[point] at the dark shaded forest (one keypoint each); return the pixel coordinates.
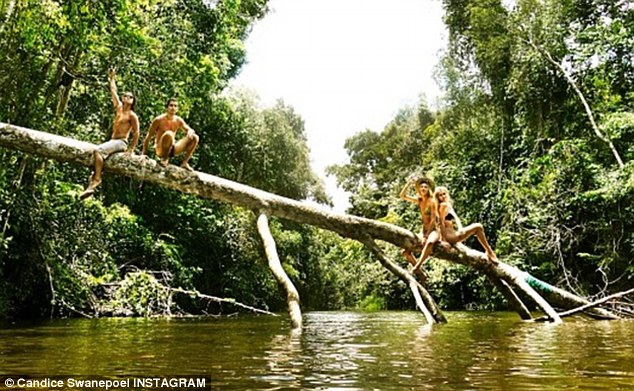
(534, 138)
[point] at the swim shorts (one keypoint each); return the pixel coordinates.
(113, 146)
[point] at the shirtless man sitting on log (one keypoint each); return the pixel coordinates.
(164, 128)
(125, 120)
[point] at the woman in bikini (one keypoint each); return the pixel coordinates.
(425, 201)
(447, 216)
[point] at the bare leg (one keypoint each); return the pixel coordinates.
(427, 249)
(188, 145)
(95, 178)
(410, 258)
(478, 230)
(191, 147)
(167, 142)
(98, 168)
(483, 241)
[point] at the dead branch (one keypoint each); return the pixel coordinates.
(589, 305)
(220, 300)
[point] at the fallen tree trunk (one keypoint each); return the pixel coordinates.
(564, 299)
(203, 185)
(212, 187)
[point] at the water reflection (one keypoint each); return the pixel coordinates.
(335, 351)
(284, 360)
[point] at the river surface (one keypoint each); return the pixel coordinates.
(335, 351)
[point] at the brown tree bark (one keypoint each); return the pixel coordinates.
(509, 294)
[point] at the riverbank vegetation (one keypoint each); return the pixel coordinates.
(550, 177)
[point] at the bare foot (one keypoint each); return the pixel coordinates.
(492, 258)
(86, 193)
(164, 162)
(187, 167)
(94, 182)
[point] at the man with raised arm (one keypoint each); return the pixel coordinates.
(164, 128)
(125, 120)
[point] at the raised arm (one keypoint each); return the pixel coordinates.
(113, 89)
(135, 133)
(150, 135)
(403, 194)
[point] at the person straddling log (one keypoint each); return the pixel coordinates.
(425, 201)
(125, 120)
(164, 128)
(447, 217)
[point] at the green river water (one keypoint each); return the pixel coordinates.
(335, 351)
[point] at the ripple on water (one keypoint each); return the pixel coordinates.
(335, 351)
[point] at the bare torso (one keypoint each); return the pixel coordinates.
(164, 123)
(427, 207)
(448, 219)
(449, 226)
(123, 122)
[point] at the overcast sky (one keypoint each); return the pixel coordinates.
(345, 66)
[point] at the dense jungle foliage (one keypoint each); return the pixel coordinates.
(117, 254)
(512, 140)
(516, 147)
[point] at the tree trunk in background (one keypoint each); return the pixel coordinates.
(7, 9)
(584, 102)
(354, 227)
(66, 82)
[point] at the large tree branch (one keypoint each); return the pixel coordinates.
(292, 296)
